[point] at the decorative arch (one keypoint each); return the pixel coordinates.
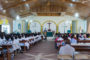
(34, 21)
(58, 24)
(37, 21)
(62, 22)
(49, 21)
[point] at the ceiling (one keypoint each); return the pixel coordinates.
(12, 8)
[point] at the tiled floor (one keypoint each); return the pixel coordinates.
(44, 50)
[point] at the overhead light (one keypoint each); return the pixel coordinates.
(1, 8)
(27, 5)
(4, 11)
(23, 0)
(26, 20)
(17, 17)
(71, 5)
(75, 0)
(76, 14)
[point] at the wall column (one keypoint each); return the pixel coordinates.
(57, 28)
(74, 26)
(71, 28)
(11, 25)
(41, 29)
(88, 25)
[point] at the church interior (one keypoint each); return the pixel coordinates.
(44, 29)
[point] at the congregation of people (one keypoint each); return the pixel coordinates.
(12, 44)
(64, 42)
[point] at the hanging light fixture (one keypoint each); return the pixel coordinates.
(4, 11)
(17, 17)
(76, 15)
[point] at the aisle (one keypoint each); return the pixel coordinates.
(45, 50)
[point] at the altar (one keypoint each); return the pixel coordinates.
(48, 28)
(49, 34)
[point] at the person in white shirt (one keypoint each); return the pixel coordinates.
(1, 40)
(67, 49)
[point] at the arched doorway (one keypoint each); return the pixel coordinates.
(49, 26)
(64, 27)
(35, 27)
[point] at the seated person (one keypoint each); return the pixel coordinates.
(73, 40)
(1, 40)
(81, 38)
(69, 38)
(67, 49)
(60, 41)
(86, 36)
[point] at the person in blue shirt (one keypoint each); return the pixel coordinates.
(73, 40)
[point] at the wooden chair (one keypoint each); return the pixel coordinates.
(65, 57)
(1, 55)
(81, 57)
(24, 47)
(42, 38)
(8, 52)
(30, 41)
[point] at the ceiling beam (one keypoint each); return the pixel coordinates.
(29, 1)
(77, 3)
(21, 3)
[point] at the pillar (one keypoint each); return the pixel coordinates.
(88, 25)
(71, 28)
(57, 28)
(22, 26)
(74, 26)
(41, 29)
(11, 25)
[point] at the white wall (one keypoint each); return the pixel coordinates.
(35, 27)
(64, 26)
(88, 25)
(58, 20)
(15, 26)
(82, 25)
(10, 20)
(52, 26)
